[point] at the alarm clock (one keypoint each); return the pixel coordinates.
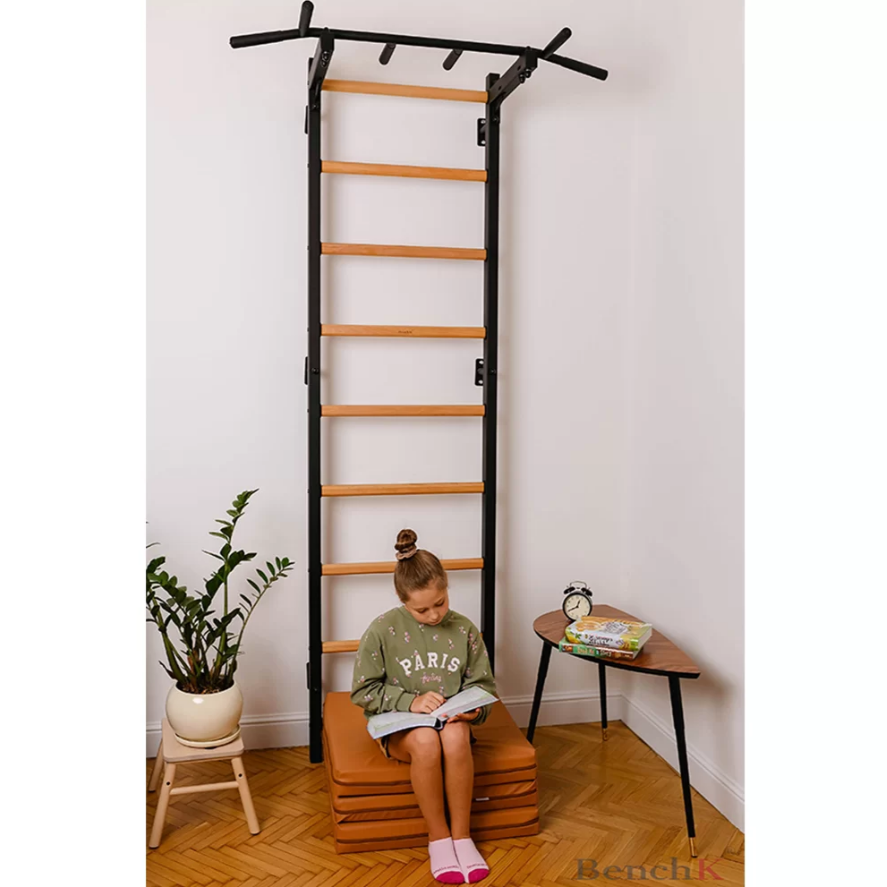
(577, 602)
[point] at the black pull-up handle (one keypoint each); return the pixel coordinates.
(305, 18)
(557, 42)
(451, 59)
(260, 39)
(578, 67)
(387, 52)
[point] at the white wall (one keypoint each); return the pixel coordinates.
(585, 300)
(683, 498)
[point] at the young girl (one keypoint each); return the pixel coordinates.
(413, 658)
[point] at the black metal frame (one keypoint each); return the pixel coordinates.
(317, 68)
(486, 371)
(490, 366)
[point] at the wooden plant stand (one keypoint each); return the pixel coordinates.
(171, 753)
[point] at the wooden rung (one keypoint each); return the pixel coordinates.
(410, 92)
(465, 563)
(206, 787)
(409, 172)
(340, 646)
(399, 489)
(415, 332)
(402, 252)
(346, 646)
(399, 410)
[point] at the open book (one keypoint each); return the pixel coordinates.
(392, 721)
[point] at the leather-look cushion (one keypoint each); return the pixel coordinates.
(373, 806)
(357, 766)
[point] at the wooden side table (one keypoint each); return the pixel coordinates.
(171, 752)
(658, 657)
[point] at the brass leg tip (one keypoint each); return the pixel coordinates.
(606, 734)
(693, 847)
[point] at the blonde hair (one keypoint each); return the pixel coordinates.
(416, 568)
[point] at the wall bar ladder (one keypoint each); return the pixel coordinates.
(498, 88)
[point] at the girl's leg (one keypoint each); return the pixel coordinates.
(455, 740)
(420, 748)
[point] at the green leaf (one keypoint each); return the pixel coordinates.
(264, 577)
(254, 585)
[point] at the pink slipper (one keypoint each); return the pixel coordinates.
(473, 866)
(444, 865)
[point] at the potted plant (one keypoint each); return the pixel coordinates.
(201, 644)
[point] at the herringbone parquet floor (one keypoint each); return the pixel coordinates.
(617, 803)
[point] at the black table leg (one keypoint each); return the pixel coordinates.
(540, 683)
(677, 710)
(602, 672)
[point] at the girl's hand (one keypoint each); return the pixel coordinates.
(427, 702)
(465, 716)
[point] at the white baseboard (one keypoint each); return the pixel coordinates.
(722, 792)
(291, 729)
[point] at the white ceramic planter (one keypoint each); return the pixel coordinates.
(201, 719)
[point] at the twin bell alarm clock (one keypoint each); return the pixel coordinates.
(577, 601)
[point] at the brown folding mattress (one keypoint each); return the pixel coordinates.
(371, 798)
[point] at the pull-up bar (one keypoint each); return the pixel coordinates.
(529, 54)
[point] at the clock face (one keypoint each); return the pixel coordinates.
(576, 605)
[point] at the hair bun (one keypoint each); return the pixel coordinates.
(406, 544)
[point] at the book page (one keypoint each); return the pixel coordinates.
(465, 700)
(392, 721)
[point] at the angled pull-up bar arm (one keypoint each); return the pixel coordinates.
(304, 30)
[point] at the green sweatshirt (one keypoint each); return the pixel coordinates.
(400, 658)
